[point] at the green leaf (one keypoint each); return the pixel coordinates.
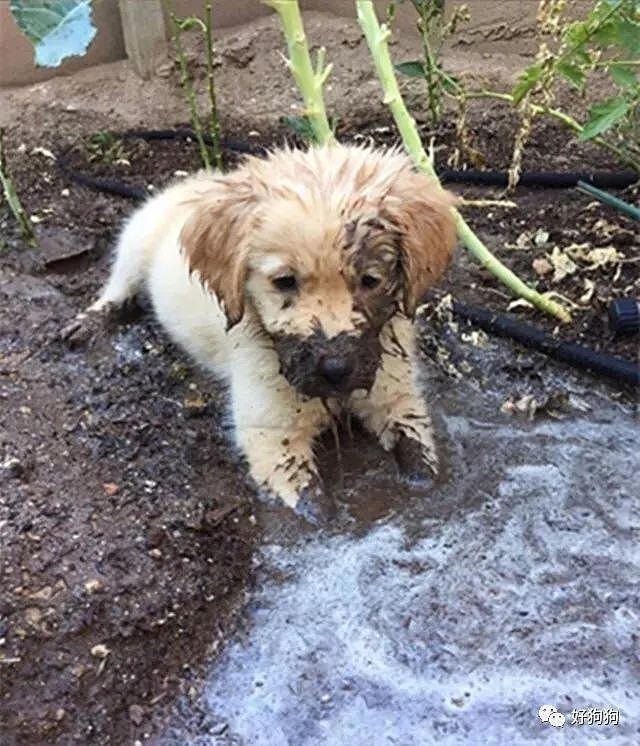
(623, 76)
(606, 35)
(527, 80)
(57, 28)
(628, 35)
(574, 74)
(575, 37)
(413, 69)
(603, 116)
(302, 127)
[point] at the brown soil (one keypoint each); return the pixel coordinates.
(126, 525)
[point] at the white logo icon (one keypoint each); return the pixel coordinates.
(549, 714)
(556, 719)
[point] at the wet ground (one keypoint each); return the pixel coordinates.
(459, 612)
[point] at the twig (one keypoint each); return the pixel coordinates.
(185, 81)
(377, 37)
(488, 203)
(309, 82)
(215, 123)
(11, 195)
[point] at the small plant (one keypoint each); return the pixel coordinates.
(11, 196)
(206, 26)
(433, 32)
(606, 39)
(104, 147)
(57, 29)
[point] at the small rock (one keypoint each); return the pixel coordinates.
(33, 615)
(60, 713)
(194, 405)
(100, 651)
(241, 55)
(12, 468)
(110, 488)
(164, 70)
(93, 586)
(156, 537)
(542, 266)
(155, 553)
(136, 714)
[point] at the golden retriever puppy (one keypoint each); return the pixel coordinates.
(295, 279)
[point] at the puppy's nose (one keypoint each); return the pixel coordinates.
(335, 369)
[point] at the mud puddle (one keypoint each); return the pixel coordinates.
(448, 617)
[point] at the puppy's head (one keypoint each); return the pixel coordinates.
(323, 247)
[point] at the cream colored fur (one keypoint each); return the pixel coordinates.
(274, 425)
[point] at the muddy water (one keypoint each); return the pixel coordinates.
(449, 615)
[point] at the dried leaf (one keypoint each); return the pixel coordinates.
(603, 257)
(557, 405)
(563, 265)
(541, 237)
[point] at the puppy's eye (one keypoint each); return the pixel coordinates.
(369, 281)
(285, 283)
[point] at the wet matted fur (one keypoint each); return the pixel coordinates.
(296, 278)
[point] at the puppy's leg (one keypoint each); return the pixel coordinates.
(395, 410)
(276, 430)
(131, 259)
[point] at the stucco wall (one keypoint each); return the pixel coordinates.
(493, 22)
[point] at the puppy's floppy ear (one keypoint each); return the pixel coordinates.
(421, 212)
(214, 240)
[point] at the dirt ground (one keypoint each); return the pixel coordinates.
(126, 524)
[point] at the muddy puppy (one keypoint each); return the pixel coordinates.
(295, 278)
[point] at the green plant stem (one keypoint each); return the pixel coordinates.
(185, 81)
(377, 37)
(566, 119)
(308, 80)
(11, 195)
(432, 73)
(215, 122)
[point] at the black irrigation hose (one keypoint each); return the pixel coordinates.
(616, 180)
(119, 188)
(609, 366)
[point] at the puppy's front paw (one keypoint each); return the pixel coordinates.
(416, 462)
(87, 324)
